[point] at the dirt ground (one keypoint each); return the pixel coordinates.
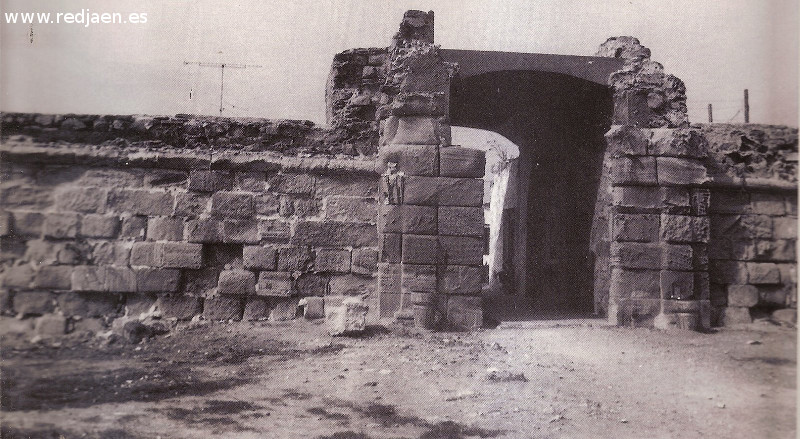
(572, 379)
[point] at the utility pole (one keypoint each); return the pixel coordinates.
(710, 114)
(746, 106)
(222, 73)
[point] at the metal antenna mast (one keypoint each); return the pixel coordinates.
(222, 73)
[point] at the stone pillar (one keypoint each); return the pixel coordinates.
(659, 226)
(431, 234)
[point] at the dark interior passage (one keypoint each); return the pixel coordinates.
(558, 121)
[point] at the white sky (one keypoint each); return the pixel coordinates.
(718, 48)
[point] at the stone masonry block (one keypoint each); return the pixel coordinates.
(274, 230)
(702, 285)
(364, 261)
(141, 202)
(462, 162)
(111, 253)
(680, 172)
(5, 223)
(768, 204)
(461, 221)
(88, 278)
(350, 285)
(464, 312)
(419, 220)
(295, 259)
(418, 278)
(728, 272)
(626, 140)
(735, 315)
(389, 277)
(356, 209)
(240, 232)
(223, 308)
(19, 276)
(133, 227)
(53, 277)
(191, 204)
(179, 306)
(785, 227)
(391, 245)
(204, 230)
(201, 180)
(444, 191)
(81, 199)
(33, 302)
(741, 226)
(685, 229)
(259, 258)
(390, 218)
(267, 204)
(634, 171)
(635, 255)
(742, 295)
(410, 159)
(417, 130)
(120, 280)
(165, 229)
(28, 224)
(676, 257)
(730, 202)
(627, 284)
(274, 284)
(237, 283)
(233, 205)
(420, 249)
(460, 250)
(677, 285)
(311, 284)
(335, 234)
(146, 254)
(293, 184)
(462, 279)
(763, 273)
(680, 142)
(88, 304)
(651, 198)
(156, 280)
(182, 255)
(332, 260)
(635, 227)
(256, 308)
(61, 225)
(99, 226)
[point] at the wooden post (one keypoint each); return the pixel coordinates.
(710, 114)
(746, 107)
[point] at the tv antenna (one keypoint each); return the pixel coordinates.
(221, 67)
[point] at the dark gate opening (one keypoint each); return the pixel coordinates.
(558, 122)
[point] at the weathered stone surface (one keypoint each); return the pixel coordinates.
(461, 221)
(730, 202)
(53, 277)
(634, 171)
(141, 202)
(636, 313)
(182, 255)
(81, 199)
(311, 284)
(410, 159)
(165, 229)
(642, 284)
(223, 308)
(22, 223)
(51, 325)
(190, 204)
(462, 162)
(635, 255)
(259, 258)
(232, 205)
(295, 259)
(391, 245)
(736, 315)
(460, 250)
(763, 273)
(418, 278)
(349, 318)
(204, 231)
(626, 140)
(741, 226)
(677, 285)
(787, 315)
(284, 310)
(33, 302)
(355, 209)
(210, 181)
(256, 308)
(294, 184)
(89, 278)
(420, 249)
(464, 312)
(462, 280)
(335, 234)
(350, 285)
(237, 283)
(364, 261)
(728, 272)
(19, 276)
(768, 204)
(785, 228)
(635, 227)
(275, 284)
(6, 223)
(685, 229)
(416, 130)
(677, 257)
(99, 226)
(97, 304)
(313, 307)
(61, 225)
(154, 280)
(443, 191)
(389, 277)
(332, 260)
(240, 232)
(133, 227)
(680, 172)
(678, 143)
(267, 204)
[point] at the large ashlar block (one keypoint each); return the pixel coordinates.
(420, 104)
(685, 229)
(389, 278)
(349, 318)
(460, 250)
(768, 204)
(680, 172)
(390, 250)
(419, 220)
(636, 284)
(335, 234)
(237, 283)
(420, 249)
(444, 191)
(763, 273)
(626, 140)
(465, 312)
(634, 171)
(418, 278)
(223, 308)
(635, 227)
(742, 295)
(461, 221)
(677, 257)
(462, 279)
(462, 162)
(274, 284)
(419, 130)
(676, 285)
(635, 255)
(410, 159)
(681, 142)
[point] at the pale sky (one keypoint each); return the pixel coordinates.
(718, 48)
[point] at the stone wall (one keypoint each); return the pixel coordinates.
(93, 231)
(753, 217)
